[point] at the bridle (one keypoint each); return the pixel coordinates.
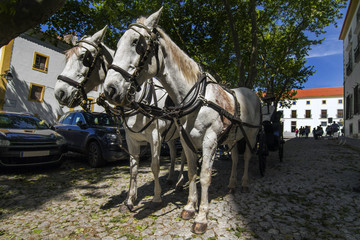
(144, 47)
(89, 61)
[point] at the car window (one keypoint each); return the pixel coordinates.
(68, 120)
(21, 122)
(78, 117)
(61, 119)
(100, 120)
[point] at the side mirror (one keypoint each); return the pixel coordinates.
(81, 124)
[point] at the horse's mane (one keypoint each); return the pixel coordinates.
(71, 51)
(189, 68)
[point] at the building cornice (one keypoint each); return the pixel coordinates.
(348, 18)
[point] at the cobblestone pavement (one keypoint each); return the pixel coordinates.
(307, 196)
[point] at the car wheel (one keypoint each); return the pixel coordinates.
(94, 155)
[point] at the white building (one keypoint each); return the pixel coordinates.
(350, 34)
(34, 65)
(314, 107)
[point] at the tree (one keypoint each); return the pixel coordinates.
(18, 16)
(259, 44)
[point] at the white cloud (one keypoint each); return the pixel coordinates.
(330, 46)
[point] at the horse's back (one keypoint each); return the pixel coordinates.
(249, 105)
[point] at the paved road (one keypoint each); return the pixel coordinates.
(308, 196)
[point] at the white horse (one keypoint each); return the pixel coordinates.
(90, 60)
(145, 51)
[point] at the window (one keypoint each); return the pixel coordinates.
(36, 92)
(349, 106)
(323, 114)
(293, 126)
(67, 119)
(351, 128)
(340, 101)
(307, 113)
(324, 124)
(79, 117)
(92, 101)
(356, 99)
(307, 102)
(349, 65)
(340, 113)
(323, 101)
(293, 113)
(41, 62)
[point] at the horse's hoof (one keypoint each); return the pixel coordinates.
(231, 190)
(199, 228)
(155, 205)
(245, 189)
(186, 215)
(125, 208)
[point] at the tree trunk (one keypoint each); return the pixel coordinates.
(254, 46)
(23, 15)
(235, 37)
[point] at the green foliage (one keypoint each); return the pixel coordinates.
(260, 44)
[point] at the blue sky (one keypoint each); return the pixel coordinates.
(327, 59)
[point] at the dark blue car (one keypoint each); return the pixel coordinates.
(93, 134)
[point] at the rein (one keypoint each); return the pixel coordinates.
(189, 104)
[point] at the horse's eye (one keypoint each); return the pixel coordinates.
(135, 41)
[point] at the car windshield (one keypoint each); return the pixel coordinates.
(100, 120)
(12, 121)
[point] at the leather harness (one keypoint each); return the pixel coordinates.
(193, 100)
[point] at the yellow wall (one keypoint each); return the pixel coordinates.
(4, 66)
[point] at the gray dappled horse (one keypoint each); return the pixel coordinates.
(212, 112)
(86, 66)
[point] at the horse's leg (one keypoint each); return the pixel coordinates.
(172, 149)
(180, 181)
(189, 209)
(134, 150)
(209, 149)
(233, 176)
(155, 167)
(247, 156)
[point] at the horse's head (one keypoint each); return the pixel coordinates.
(83, 70)
(136, 59)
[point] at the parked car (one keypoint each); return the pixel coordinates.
(93, 134)
(27, 140)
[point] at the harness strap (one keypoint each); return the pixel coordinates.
(185, 136)
(124, 73)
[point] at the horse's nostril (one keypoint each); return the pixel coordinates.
(110, 91)
(60, 94)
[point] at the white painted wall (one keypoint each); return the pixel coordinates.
(17, 92)
(332, 105)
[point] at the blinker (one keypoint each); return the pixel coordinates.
(88, 59)
(141, 46)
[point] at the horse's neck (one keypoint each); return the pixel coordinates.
(179, 72)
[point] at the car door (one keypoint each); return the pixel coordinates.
(64, 128)
(80, 131)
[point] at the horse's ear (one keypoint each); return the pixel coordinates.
(153, 19)
(99, 36)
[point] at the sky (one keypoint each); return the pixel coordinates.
(327, 59)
